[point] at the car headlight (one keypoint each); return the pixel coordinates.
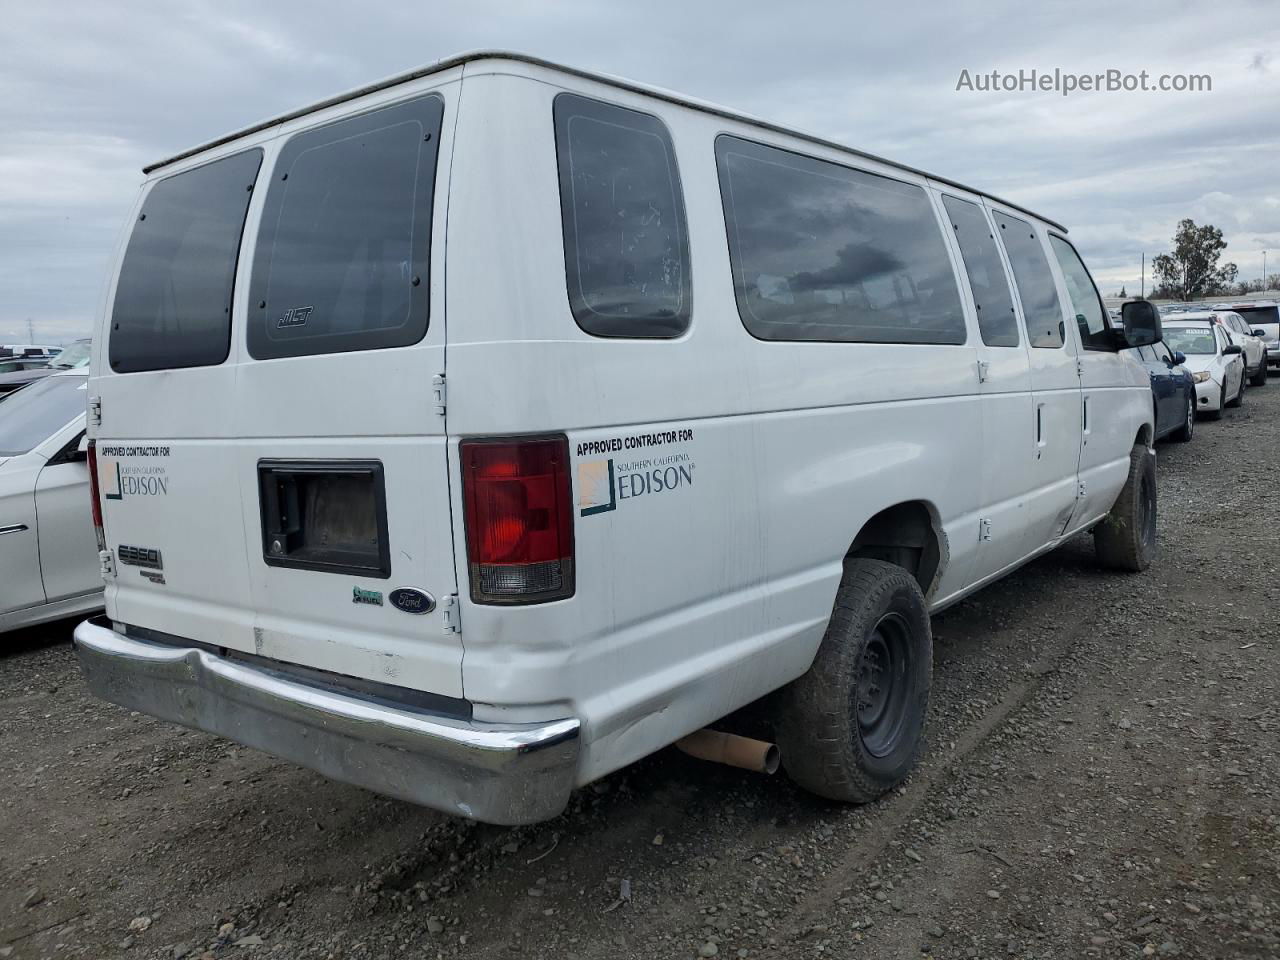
(1201, 376)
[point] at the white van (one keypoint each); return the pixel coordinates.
(476, 433)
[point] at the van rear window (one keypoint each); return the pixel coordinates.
(343, 254)
(626, 247)
(821, 251)
(173, 297)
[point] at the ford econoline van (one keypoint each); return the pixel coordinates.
(476, 433)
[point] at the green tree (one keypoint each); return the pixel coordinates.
(1122, 293)
(1192, 270)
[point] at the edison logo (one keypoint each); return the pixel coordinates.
(597, 492)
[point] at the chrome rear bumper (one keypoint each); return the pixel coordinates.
(499, 774)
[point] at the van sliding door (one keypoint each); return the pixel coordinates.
(1054, 433)
(1004, 383)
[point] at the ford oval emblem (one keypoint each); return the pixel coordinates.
(412, 601)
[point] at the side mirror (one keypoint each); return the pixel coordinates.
(1179, 358)
(1232, 349)
(1141, 322)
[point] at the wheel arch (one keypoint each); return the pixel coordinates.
(908, 534)
(1145, 436)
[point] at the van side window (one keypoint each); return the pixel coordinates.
(344, 249)
(1086, 302)
(626, 244)
(173, 298)
(1041, 310)
(987, 278)
(824, 252)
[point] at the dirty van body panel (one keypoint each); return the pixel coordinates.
(718, 479)
(195, 446)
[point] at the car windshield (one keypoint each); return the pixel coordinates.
(31, 415)
(1191, 340)
(76, 355)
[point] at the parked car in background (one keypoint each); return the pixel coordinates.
(1252, 345)
(20, 364)
(1173, 390)
(1216, 364)
(74, 355)
(49, 564)
(1263, 316)
(28, 350)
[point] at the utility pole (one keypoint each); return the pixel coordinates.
(31, 335)
(1143, 294)
(1264, 272)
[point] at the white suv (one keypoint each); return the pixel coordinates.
(1253, 347)
(695, 408)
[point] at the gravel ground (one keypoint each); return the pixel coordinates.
(1100, 781)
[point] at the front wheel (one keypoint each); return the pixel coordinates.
(1184, 432)
(851, 728)
(1259, 379)
(1126, 538)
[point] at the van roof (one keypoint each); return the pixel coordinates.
(623, 84)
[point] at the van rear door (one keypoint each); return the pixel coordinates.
(277, 484)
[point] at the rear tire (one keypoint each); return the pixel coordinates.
(1126, 538)
(1259, 379)
(1183, 434)
(851, 728)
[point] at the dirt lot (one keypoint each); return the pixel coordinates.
(1101, 780)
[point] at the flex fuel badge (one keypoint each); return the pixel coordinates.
(371, 597)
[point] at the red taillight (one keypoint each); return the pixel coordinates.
(519, 519)
(92, 456)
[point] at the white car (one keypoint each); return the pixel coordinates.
(49, 564)
(633, 473)
(1253, 346)
(1216, 364)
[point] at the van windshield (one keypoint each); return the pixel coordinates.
(33, 414)
(1190, 340)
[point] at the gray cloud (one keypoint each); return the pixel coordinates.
(94, 91)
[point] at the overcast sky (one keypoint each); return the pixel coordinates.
(91, 91)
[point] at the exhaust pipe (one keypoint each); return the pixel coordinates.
(731, 749)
